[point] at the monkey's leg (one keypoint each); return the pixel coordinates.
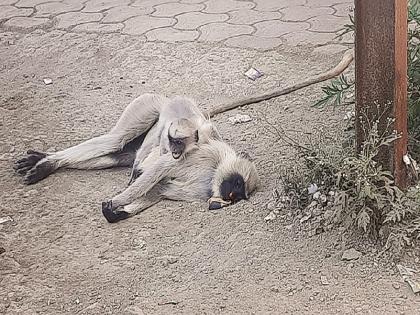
(43, 168)
(139, 205)
(134, 123)
(152, 175)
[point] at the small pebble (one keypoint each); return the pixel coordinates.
(48, 81)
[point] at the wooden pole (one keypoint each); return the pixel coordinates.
(381, 75)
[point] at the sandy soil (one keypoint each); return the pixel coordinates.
(62, 257)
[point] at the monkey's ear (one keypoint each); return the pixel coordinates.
(246, 156)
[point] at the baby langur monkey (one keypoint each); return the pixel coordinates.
(180, 129)
(182, 137)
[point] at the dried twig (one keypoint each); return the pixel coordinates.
(337, 70)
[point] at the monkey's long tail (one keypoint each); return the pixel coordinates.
(343, 65)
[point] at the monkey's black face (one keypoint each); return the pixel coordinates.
(177, 146)
(233, 188)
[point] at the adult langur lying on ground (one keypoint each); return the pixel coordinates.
(212, 171)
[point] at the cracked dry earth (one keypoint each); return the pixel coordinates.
(60, 256)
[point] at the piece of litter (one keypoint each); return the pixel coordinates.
(313, 188)
(238, 119)
(406, 159)
(324, 280)
(48, 81)
(316, 195)
(351, 254)
(253, 74)
(5, 219)
(271, 217)
(411, 276)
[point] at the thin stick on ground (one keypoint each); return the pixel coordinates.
(337, 70)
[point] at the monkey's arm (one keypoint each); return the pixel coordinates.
(149, 144)
(138, 205)
(156, 168)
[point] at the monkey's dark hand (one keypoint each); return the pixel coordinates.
(214, 205)
(23, 165)
(111, 215)
(32, 168)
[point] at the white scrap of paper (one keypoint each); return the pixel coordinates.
(254, 74)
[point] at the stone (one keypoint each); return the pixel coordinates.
(274, 5)
(326, 23)
(307, 38)
(222, 6)
(54, 8)
(96, 27)
(142, 24)
(172, 9)
(351, 254)
(221, 31)
(303, 13)
(270, 217)
(5, 219)
(100, 5)
(171, 35)
(122, 13)
(67, 20)
(277, 28)
(168, 260)
(27, 23)
(7, 12)
(193, 20)
(316, 195)
(252, 16)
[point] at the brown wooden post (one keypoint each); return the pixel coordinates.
(381, 74)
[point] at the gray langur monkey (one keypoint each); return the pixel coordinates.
(213, 171)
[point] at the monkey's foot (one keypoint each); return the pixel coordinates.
(136, 173)
(23, 165)
(111, 215)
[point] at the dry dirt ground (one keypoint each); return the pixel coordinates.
(62, 257)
